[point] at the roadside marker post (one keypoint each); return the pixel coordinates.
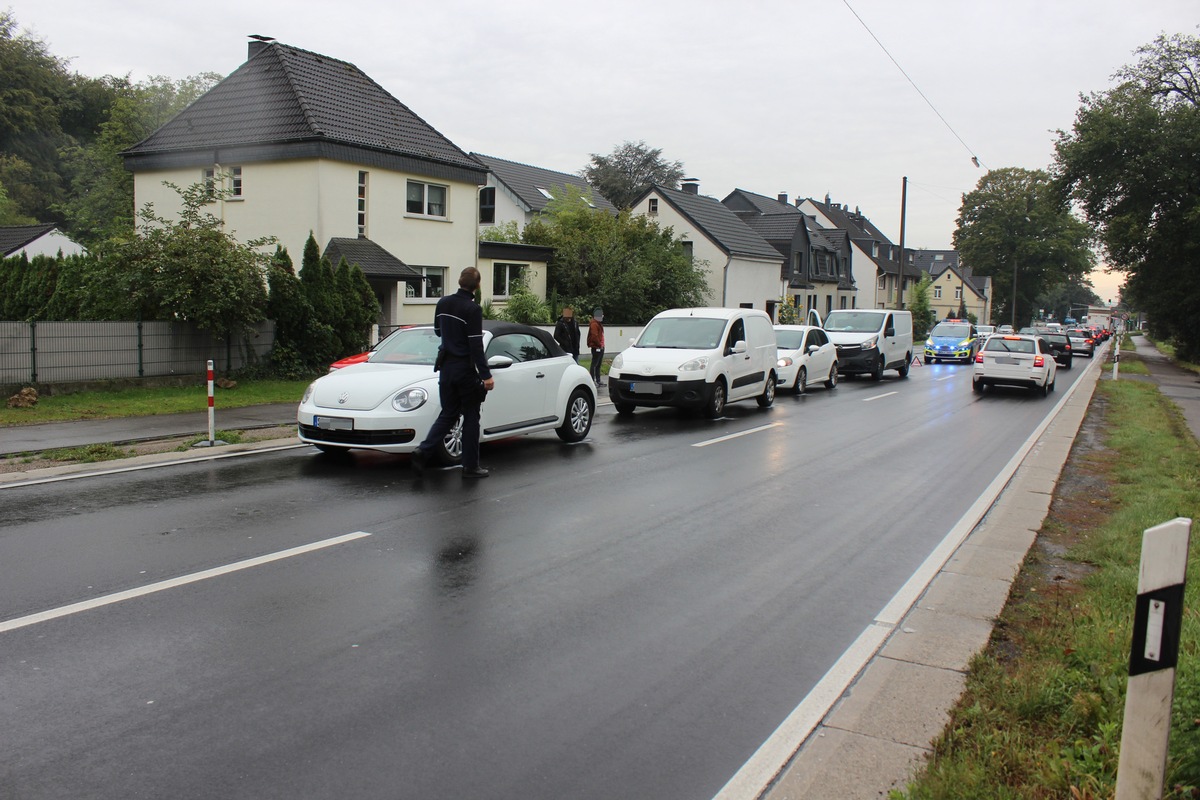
(1157, 622)
(212, 419)
(1116, 360)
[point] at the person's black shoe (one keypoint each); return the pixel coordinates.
(475, 472)
(419, 459)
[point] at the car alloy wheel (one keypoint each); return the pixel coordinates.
(716, 403)
(578, 419)
(768, 396)
(831, 381)
(801, 381)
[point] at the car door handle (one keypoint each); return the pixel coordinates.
(540, 375)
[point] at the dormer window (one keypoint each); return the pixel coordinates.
(545, 193)
(652, 207)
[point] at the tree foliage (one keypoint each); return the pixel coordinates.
(923, 315)
(626, 264)
(629, 170)
(1132, 163)
(1014, 224)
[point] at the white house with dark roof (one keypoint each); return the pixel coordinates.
(953, 286)
(307, 143)
(740, 267)
(518, 192)
(36, 240)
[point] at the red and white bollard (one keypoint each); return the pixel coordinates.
(212, 419)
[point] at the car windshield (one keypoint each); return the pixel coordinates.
(410, 346)
(789, 340)
(682, 333)
(954, 330)
(1009, 345)
(854, 321)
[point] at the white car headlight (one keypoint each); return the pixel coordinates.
(786, 361)
(617, 362)
(871, 343)
(410, 399)
(695, 365)
(308, 393)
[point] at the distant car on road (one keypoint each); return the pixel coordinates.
(1081, 341)
(1059, 342)
(805, 352)
(1015, 360)
(1005, 329)
(951, 340)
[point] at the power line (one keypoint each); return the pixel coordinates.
(974, 158)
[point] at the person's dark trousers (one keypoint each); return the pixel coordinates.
(597, 362)
(453, 379)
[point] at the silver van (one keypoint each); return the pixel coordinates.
(871, 340)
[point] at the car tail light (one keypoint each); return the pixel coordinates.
(1068, 347)
(979, 358)
(1039, 361)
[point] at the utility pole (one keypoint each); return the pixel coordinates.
(903, 210)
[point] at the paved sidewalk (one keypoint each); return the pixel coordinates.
(55, 435)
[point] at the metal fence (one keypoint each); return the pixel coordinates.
(44, 353)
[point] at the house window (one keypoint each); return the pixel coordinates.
(958, 293)
(426, 199)
(653, 206)
(687, 250)
(939, 257)
(362, 204)
(230, 180)
(506, 278)
(487, 205)
(874, 249)
(545, 193)
(881, 283)
(937, 293)
(432, 283)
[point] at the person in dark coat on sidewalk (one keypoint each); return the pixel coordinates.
(463, 375)
(566, 332)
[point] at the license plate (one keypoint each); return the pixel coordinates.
(646, 388)
(333, 423)
(1007, 360)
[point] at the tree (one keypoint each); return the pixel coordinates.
(626, 264)
(1016, 226)
(922, 312)
(629, 170)
(189, 269)
(1132, 162)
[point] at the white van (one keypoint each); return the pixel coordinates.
(871, 340)
(697, 358)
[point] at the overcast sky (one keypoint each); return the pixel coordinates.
(770, 97)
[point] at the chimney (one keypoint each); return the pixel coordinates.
(257, 45)
(783, 198)
(690, 185)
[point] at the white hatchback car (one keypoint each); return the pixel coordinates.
(1015, 360)
(804, 352)
(390, 401)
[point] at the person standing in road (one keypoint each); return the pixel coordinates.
(463, 375)
(595, 343)
(566, 332)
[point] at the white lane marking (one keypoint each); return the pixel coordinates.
(736, 435)
(878, 396)
(772, 757)
(947, 378)
(155, 465)
(182, 580)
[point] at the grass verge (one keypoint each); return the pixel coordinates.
(1042, 711)
(142, 402)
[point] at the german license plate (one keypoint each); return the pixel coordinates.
(645, 388)
(1007, 360)
(333, 423)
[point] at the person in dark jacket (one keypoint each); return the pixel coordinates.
(463, 375)
(566, 332)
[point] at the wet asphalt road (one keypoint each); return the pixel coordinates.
(627, 617)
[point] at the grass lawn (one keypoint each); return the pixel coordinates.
(1042, 712)
(141, 402)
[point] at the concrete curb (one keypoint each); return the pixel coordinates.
(880, 730)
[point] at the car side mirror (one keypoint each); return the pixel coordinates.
(500, 362)
(812, 348)
(740, 346)
(890, 332)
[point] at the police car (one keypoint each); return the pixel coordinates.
(951, 340)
